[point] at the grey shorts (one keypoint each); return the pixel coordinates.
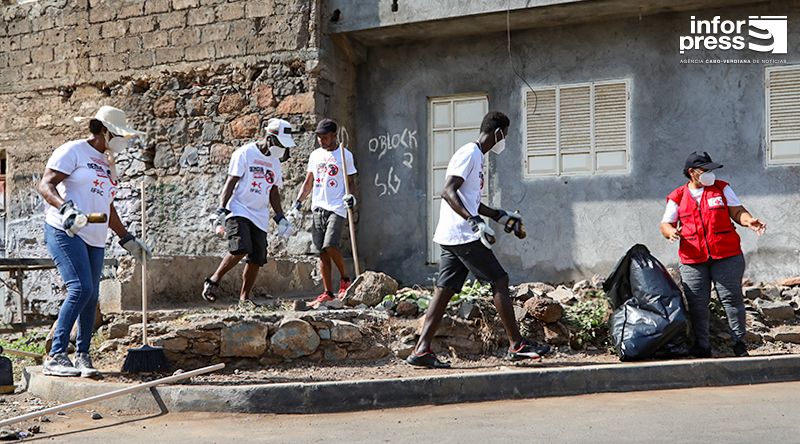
(459, 260)
(327, 229)
(244, 237)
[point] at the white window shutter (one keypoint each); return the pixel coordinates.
(541, 121)
(610, 117)
(574, 119)
(783, 108)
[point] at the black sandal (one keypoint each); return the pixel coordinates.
(427, 359)
(210, 289)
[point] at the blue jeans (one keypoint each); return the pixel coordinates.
(80, 266)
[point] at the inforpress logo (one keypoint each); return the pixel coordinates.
(768, 34)
(758, 33)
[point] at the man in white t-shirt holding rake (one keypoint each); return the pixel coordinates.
(466, 242)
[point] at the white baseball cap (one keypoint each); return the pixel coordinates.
(282, 130)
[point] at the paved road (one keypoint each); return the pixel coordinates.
(761, 413)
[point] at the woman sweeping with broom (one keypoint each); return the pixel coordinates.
(79, 184)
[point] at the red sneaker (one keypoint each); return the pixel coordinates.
(344, 284)
(321, 299)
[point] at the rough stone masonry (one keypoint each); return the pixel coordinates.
(199, 76)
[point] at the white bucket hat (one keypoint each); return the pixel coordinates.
(282, 130)
(115, 120)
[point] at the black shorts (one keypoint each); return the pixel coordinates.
(244, 237)
(327, 229)
(458, 260)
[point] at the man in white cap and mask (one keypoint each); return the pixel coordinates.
(254, 179)
(79, 180)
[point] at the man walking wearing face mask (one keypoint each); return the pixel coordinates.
(254, 176)
(699, 214)
(466, 242)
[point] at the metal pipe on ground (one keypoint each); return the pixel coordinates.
(112, 394)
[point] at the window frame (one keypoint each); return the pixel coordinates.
(593, 152)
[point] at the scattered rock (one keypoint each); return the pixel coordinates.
(343, 331)
(336, 304)
(35, 429)
(247, 339)
(294, 338)
(544, 309)
(752, 337)
(581, 285)
(791, 293)
(556, 334)
(563, 295)
(96, 416)
(598, 281)
(299, 305)
(786, 333)
(468, 310)
(525, 291)
(751, 293)
(44, 419)
(407, 309)
(771, 292)
(791, 282)
(450, 326)
(520, 312)
(774, 311)
(324, 334)
(370, 288)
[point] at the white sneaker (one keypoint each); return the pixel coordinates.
(59, 365)
(84, 364)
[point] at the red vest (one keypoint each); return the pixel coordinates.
(707, 231)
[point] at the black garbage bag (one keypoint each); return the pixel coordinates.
(649, 319)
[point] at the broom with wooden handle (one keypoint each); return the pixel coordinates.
(144, 359)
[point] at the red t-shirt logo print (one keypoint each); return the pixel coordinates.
(256, 184)
(333, 170)
(270, 176)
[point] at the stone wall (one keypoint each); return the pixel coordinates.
(201, 77)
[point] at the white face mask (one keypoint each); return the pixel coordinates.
(277, 151)
(116, 145)
(708, 178)
(500, 145)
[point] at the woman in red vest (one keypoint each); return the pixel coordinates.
(699, 214)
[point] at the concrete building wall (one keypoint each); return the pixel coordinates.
(201, 77)
(577, 225)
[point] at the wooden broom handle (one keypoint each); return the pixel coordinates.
(350, 222)
(144, 266)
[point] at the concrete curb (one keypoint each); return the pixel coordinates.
(328, 397)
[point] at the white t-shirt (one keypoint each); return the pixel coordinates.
(257, 174)
(466, 163)
(328, 179)
(89, 185)
(671, 212)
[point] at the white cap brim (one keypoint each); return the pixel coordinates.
(286, 140)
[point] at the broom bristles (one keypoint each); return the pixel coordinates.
(145, 359)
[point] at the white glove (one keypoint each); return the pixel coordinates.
(72, 219)
(135, 247)
(285, 228)
(218, 221)
(296, 213)
(483, 231)
(349, 201)
(508, 220)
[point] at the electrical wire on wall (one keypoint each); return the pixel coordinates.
(511, 60)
